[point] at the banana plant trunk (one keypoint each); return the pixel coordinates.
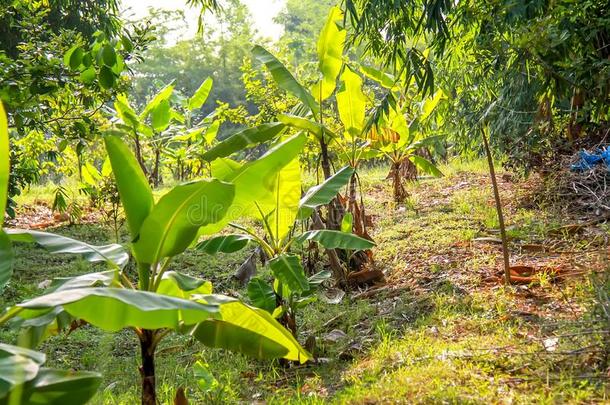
(138, 149)
(325, 159)
(155, 173)
(335, 209)
(147, 369)
(357, 210)
(399, 190)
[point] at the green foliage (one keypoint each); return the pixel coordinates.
(550, 94)
(301, 22)
(55, 77)
(243, 139)
(335, 239)
(324, 193)
(133, 187)
(289, 272)
(113, 255)
(23, 379)
(173, 222)
(166, 301)
(6, 251)
(284, 79)
(330, 54)
(217, 53)
(224, 244)
(4, 162)
(387, 30)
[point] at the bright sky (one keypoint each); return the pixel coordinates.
(263, 12)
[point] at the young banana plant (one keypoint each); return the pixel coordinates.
(351, 105)
(399, 142)
(291, 288)
(159, 301)
(157, 124)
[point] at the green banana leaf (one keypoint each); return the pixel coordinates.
(174, 221)
(244, 139)
(6, 250)
(4, 162)
(222, 168)
(425, 165)
(113, 309)
(330, 54)
(126, 113)
(286, 194)
(324, 193)
(6, 259)
(201, 94)
(23, 380)
(248, 330)
(59, 387)
(163, 95)
(252, 182)
(261, 294)
(181, 285)
(135, 192)
(351, 103)
(284, 79)
(335, 240)
(224, 244)
(302, 123)
(161, 116)
(113, 254)
(287, 268)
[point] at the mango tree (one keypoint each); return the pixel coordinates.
(159, 301)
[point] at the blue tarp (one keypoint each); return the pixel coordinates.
(588, 160)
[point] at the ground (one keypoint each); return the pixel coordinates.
(442, 328)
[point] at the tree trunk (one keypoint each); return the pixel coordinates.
(138, 149)
(147, 369)
(494, 184)
(325, 161)
(155, 173)
(399, 191)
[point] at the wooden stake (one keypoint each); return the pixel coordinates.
(494, 184)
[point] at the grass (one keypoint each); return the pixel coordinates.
(440, 332)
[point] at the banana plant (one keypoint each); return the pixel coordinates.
(291, 289)
(159, 301)
(310, 118)
(398, 141)
(160, 124)
(23, 379)
(351, 104)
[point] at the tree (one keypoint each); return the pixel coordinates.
(541, 74)
(301, 21)
(214, 52)
(83, 17)
(391, 29)
(56, 81)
